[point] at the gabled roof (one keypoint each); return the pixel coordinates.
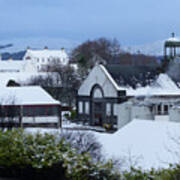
(27, 95)
(155, 85)
(133, 76)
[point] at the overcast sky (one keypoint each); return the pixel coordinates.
(131, 22)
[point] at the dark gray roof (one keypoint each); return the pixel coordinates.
(132, 75)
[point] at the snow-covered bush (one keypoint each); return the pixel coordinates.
(44, 156)
(84, 142)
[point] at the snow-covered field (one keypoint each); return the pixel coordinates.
(141, 143)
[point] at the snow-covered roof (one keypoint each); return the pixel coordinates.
(11, 65)
(146, 143)
(173, 39)
(163, 85)
(19, 77)
(47, 53)
(27, 95)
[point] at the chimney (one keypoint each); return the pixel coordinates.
(10, 58)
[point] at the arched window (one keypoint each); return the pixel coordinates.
(97, 91)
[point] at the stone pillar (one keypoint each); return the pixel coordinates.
(21, 117)
(77, 108)
(83, 109)
(91, 111)
(59, 117)
(103, 113)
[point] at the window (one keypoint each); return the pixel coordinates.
(40, 111)
(162, 109)
(87, 107)
(80, 107)
(166, 109)
(159, 109)
(108, 109)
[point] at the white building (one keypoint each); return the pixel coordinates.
(41, 58)
(101, 98)
(33, 106)
(16, 66)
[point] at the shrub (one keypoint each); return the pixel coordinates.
(84, 142)
(45, 156)
(73, 115)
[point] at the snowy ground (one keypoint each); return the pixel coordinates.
(69, 125)
(145, 144)
(141, 143)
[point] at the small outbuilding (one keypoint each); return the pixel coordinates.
(29, 106)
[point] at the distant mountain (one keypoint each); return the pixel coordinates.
(20, 44)
(5, 46)
(15, 56)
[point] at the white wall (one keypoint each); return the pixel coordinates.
(141, 112)
(49, 119)
(174, 114)
(163, 118)
(45, 119)
(97, 76)
(46, 57)
(123, 112)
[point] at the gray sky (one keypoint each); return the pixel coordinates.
(131, 22)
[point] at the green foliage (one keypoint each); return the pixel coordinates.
(12, 83)
(23, 149)
(73, 114)
(45, 156)
(107, 126)
(45, 153)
